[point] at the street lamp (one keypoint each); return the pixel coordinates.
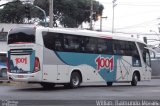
(43, 13)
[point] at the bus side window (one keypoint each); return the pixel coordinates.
(83, 43)
(134, 50)
(118, 47)
(57, 38)
(48, 40)
(91, 45)
(58, 45)
(53, 41)
(109, 44)
(102, 46)
(114, 49)
(66, 43)
(148, 60)
(71, 43)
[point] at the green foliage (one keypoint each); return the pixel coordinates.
(70, 13)
(12, 13)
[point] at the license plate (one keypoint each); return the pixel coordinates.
(20, 76)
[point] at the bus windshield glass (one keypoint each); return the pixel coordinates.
(21, 35)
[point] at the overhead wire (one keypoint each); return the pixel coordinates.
(143, 24)
(134, 3)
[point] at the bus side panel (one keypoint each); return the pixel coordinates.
(149, 73)
(63, 74)
(89, 74)
(124, 68)
(103, 64)
(54, 70)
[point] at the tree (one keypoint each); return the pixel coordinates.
(13, 13)
(70, 13)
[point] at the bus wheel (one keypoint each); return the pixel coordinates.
(109, 83)
(4, 73)
(47, 85)
(75, 80)
(134, 80)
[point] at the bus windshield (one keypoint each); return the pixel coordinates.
(21, 35)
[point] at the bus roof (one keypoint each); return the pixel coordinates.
(85, 32)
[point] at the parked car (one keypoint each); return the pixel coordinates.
(3, 67)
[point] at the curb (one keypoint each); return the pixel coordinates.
(155, 77)
(4, 81)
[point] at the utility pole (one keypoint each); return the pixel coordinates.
(91, 15)
(101, 22)
(114, 5)
(51, 13)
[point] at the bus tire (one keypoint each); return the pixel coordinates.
(47, 85)
(134, 80)
(75, 80)
(109, 83)
(4, 73)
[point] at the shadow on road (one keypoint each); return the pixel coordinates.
(62, 88)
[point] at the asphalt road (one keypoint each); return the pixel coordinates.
(86, 95)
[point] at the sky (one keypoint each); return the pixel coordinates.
(131, 16)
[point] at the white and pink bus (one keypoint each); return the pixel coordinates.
(70, 57)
